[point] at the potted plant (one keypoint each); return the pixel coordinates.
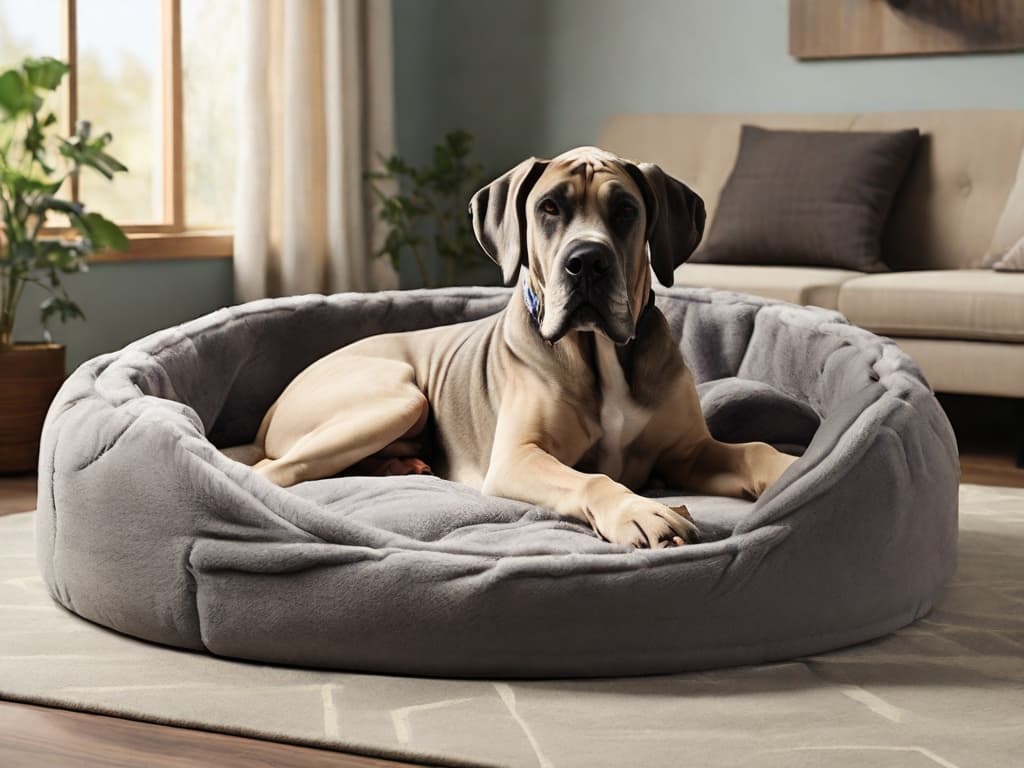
(426, 206)
(35, 164)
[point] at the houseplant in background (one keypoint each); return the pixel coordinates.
(424, 209)
(35, 164)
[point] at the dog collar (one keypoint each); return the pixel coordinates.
(531, 301)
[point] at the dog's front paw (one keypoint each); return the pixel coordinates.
(644, 523)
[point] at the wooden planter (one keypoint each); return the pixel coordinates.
(30, 375)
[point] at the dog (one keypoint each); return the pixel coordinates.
(570, 397)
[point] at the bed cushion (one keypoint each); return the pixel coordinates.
(146, 528)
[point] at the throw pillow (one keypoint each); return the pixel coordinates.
(810, 198)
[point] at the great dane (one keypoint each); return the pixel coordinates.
(570, 397)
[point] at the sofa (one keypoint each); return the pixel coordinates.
(962, 323)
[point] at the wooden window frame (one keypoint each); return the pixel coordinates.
(170, 238)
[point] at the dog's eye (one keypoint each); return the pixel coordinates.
(549, 207)
(627, 212)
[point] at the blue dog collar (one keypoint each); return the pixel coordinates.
(531, 300)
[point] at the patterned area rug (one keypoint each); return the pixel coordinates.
(947, 691)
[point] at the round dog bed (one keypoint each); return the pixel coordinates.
(146, 528)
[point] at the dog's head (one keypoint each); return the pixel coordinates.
(582, 224)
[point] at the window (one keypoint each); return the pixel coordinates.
(159, 75)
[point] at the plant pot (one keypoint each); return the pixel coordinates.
(30, 375)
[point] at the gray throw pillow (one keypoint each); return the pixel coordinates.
(809, 198)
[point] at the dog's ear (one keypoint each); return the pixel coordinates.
(675, 218)
(498, 212)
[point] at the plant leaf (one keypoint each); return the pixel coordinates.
(45, 72)
(61, 206)
(15, 94)
(60, 305)
(104, 233)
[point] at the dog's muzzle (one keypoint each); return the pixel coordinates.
(594, 287)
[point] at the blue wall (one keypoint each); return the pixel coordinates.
(604, 57)
(539, 77)
(126, 300)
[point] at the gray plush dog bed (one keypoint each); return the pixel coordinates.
(144, 527)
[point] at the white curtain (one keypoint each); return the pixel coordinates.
(316, 108)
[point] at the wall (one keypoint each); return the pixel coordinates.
(127, 300)
(604, 56)
(474, 65)
(537, 78)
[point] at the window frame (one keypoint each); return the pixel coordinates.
(169, 238)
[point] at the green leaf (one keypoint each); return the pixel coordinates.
(21, 185)
(69, 207)
(15, 94)
(62, 306)
(45, 72)
(104, 233)
(81, 151)
(68, 256)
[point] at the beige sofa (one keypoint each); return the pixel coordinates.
(963, 325)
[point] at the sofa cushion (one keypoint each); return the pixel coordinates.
(994, 368)
(942, 304)
(800, 285)
(809, 198)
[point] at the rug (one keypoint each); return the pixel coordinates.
(947, 691)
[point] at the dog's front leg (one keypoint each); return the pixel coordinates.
(534, 444)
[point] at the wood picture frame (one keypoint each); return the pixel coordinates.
(830, 29)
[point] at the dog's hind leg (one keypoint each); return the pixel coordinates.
(402, 457)
(359, 430)
(741, 470)
(249, 454)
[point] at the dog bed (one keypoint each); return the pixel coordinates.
(146, 528)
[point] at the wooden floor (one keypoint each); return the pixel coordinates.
(35, 736)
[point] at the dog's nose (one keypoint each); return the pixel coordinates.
(588, 260)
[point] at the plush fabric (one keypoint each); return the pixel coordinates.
(942, 304)
(146, 528)
(799, 285)
(809, 198)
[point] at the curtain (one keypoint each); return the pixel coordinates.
(316, 108)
